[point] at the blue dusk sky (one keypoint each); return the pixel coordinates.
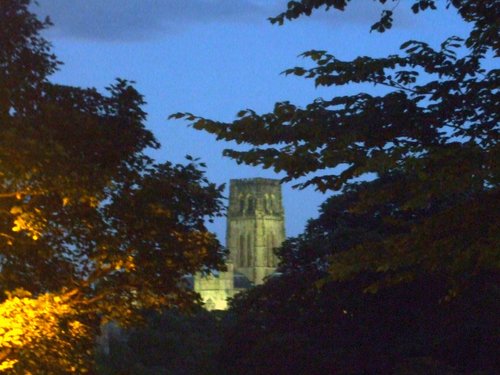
(216, 57)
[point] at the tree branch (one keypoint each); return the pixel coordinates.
(18, 194)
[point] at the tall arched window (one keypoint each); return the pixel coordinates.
(269, 250)
(242, 255)
(251, 204)
(272, 203)
(242, 203)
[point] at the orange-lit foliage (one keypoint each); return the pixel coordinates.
(83, 208)
(43, 333)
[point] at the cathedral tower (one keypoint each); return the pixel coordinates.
(255, 226)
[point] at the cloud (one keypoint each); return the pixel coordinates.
(132, 20)
(136, 20)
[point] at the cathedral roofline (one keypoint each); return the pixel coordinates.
(262, 180)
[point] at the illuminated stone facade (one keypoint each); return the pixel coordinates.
(255, 226)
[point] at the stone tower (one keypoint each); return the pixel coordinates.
(255, 226)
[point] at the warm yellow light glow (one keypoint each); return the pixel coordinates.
(28, 323)
(30, 222)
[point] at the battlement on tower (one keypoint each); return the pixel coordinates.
(252, 196)
(254, 181)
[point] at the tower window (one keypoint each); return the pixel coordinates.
(251, 204)
(242, 252)
(266, 203)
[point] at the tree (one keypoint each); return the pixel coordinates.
(170, 343)
(90, 227)
(437, 126)
(324, 326)
(48, 326)
(400, 274)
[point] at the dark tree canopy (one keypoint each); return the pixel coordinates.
(398, 275)
(322, 326)
(89, 224)
(482, 14)
(303, 323)
(170, 343)
(433, 137)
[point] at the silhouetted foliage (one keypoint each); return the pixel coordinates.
(398, 275)
(437, 126)
(304, 323)
(168, 343)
